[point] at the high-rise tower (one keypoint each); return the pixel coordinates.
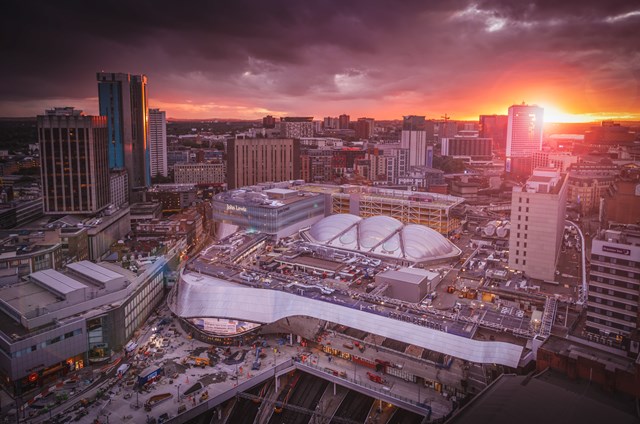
(73, 159)
(123, 100)
(524, 137)
(414, 138)
(158, 142)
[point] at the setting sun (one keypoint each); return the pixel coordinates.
(556, 115)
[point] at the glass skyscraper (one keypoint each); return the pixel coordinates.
(123, 100)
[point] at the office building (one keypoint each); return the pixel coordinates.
(199, 173)
(495, 128)
(173, 197)
(258, 160)
(123, 100)
(614, 288)
(158, 142)
(608, 134)
(119, 187)
(537, 223)
(414, 138)
(559, 160)
(74, 163)
(296, 127)
(365, 128)
(268, 122)
(524, 137)
(344, 121)
(475, 147)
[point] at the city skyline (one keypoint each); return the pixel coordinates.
(579, 61)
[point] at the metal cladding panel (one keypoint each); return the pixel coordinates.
(211, 297)
(57, 281)
(94, 271)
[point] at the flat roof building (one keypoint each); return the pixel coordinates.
(276, 211)
(537, 224)
(257, 160)
(614, 288)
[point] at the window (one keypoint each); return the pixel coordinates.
(524, 253)
(527, 209)
(519, 208)
(527, 200)
(517, 244)
(524, 261)
(526, 218)
(516, 261)
(525, 236)
(518, 226)
(525, 244)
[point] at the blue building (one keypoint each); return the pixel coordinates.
(123, 100)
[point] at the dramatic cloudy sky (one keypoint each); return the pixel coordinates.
(382, 59)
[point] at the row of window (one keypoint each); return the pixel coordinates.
(610, 324)
(613, 271)
(613, 303)
(520, 201)
(615, 283)
(608, 259)
(44, 344)
(613, 314)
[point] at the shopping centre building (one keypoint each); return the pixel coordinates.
(56, 322)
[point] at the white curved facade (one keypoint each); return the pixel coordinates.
(382, 235)
(203, 296)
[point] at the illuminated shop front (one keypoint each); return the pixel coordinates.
(220, 331)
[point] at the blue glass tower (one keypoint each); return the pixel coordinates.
(123, 100)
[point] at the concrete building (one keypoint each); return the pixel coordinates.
(123, 100)
(199, 173)
(158, 142)
(559, 160)
(524, 137)
(268, 122)
(408, 284)
(173, 197)
(147, 211)
(409, 207)
(74, 163)
(343, 121)
(258, 160)
(495, 128)
(622, 203)
(178, 156)
(24, 254)
(614, 289)
(414, 138)
(537, 224)
(18, 212)
(609, 133)
(365, 128)
(476, 147)
(296, 127)
(119, 187)
(74, 318)
(585, 191)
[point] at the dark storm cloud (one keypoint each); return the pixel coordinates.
(274, 52)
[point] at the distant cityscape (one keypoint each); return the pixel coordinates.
(479, 249)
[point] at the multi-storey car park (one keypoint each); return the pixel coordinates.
(429, 209)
